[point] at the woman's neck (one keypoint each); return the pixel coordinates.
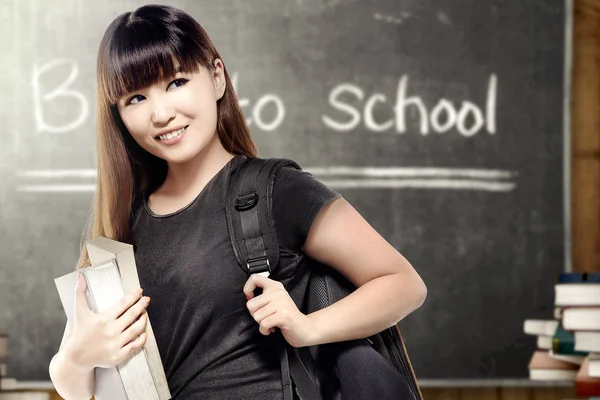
(193, 175)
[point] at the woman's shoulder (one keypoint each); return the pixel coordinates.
(301, 183)
(298, 196)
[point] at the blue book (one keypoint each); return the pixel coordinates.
(578, 277)
(563, 342)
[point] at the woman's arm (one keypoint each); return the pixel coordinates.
(70, 381)
(388, 287)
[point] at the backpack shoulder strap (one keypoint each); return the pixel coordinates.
(248, 206)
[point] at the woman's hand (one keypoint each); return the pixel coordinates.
(109, 338)
(274, 308)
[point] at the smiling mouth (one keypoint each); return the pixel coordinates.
(172, 135)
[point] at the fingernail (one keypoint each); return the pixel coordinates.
(147, 299)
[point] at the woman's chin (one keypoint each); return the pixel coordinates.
(179, 157)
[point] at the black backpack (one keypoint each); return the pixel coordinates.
(374, 368)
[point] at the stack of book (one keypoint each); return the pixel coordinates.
(578, 295)
(3, 354)
(9, 387)
(6, 382)
(24, 394)
(112, 274)
(554, 357)
(568, 346)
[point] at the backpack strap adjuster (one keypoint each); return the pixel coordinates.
(249, 217)
(246, 202)
(259, 265)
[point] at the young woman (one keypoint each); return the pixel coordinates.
(169, 134)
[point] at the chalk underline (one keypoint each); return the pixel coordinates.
(380, 172)
(338, 177)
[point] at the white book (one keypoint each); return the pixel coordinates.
(544, 342)
(571, 358)
(102, 249)
(594, 369)
(8, 383)
(109, 384)
(3, 345)
(587, 341)
(25, 396)
(105, 290)
(552, 375)
(107, 381)
(540, 327)
(577, 294)
(581, 318)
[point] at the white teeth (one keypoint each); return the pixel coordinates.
(172, 135)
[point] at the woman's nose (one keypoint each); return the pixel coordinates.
(162, 113)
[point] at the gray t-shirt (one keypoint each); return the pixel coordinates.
(209, 343)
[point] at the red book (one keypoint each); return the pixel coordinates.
(543, 367)
(586, 386)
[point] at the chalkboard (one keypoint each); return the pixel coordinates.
(444, 122)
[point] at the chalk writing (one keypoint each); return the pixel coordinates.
(268, 111)
(468, 120)
(62, 90)
(257, 110)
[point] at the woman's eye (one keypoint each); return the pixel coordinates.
(138, 98)
(178, 82)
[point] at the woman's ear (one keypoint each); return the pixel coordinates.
(219, 78)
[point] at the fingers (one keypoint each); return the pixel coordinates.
(258, 281)
(124, 304)
(136, 329)
(80, 300)
(132, 313)
(267, 325)
(264, 307)
(81, 284)
(258, 302)
(264, 315)
(264, 312)
(132, 347)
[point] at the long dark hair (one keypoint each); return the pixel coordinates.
(138, 49)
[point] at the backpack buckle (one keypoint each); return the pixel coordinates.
(246, 202)
(259, 265)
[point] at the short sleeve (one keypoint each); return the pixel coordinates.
(297, 199)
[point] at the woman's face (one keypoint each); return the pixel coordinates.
(175, 119)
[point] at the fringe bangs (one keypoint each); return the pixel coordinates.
(144, 53)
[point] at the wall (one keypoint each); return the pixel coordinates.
(585, 178)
